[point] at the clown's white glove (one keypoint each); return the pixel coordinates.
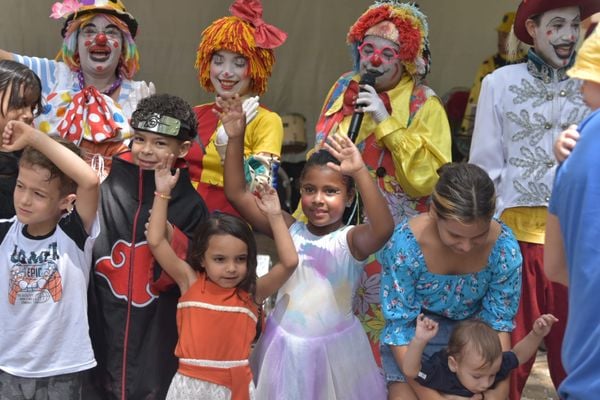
(250, 107)
(139, 92)
(371, 102)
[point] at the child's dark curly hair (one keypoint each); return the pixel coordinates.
(225, 224)
(172, 106)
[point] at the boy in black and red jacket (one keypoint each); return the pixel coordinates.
(132, 301)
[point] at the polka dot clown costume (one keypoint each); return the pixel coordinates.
(89, 94)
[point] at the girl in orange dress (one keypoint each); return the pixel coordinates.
(218, 311)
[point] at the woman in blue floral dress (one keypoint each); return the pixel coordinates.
(452, 263)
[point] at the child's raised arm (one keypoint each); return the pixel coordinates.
(233, 120)
(5, 55)
(17, 135)
(268, 202)
(425, 331)
(367, 238)
(527, 346)
(181, 272)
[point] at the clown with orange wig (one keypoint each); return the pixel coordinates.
(89, 94)
(404, 137)
(235, 56)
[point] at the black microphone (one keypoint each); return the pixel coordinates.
(367, 79)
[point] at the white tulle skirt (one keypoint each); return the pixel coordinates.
(335, 366)
(186, 388)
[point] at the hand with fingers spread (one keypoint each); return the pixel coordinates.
(267, 200)
(369, 101)
(250, 109)
(232, 116)
(342, 148)
(164, 180)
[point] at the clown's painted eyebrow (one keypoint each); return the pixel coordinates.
(93, 25)
(562, 20)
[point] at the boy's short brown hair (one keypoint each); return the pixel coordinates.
(479, 336)
(33, 157)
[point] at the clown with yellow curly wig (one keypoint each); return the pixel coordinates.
(404, 136)
(235, 56)
(90, 94)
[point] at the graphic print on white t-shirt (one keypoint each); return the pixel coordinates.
(34, 277)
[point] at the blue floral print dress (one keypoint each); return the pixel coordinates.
(408, 288)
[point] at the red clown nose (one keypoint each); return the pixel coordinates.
(100, 38)
(375, 60)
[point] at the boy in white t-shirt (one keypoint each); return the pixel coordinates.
(45, 260)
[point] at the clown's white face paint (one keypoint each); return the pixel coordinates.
(556, 35)
(100, 45)
(389, 71)
(229, 73)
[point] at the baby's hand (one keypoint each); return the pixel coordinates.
(342, 148)
(17, 135)
(543, 324)
(268, 200)
(565, 143)
(426, 328)
(232, 116)
(164, 180)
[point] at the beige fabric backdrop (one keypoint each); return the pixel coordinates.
(461, 32)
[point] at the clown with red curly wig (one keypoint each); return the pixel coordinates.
(236, 57)
(90, 94)
(404, 136)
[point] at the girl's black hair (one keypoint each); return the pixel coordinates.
(24, 86)
(225, 224)
(321, 158)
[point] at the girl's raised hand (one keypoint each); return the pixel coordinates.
(165, 181)
(232, 115)
(16, 135)
(267, 200)
(342, 148)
